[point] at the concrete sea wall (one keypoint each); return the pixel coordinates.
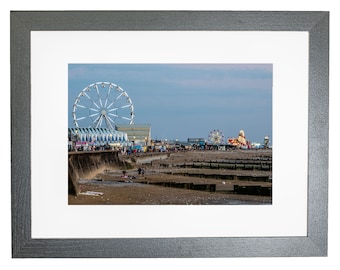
(89, 164)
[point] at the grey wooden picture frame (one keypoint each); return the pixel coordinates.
(314, 244)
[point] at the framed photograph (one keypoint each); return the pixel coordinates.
(169, 134)
(166, 128)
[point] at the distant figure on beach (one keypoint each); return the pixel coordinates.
(139, 170)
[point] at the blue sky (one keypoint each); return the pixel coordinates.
(182, 101)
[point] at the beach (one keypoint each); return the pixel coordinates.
(182, 178)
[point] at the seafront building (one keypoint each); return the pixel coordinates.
(138, 137)
(96, 137)
(139, 134)
(123, 136)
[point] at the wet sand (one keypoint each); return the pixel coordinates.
(109, 188)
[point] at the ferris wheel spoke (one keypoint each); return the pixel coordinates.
(114, 115)
(125, 118)
(96, 105)
(114, 109)
(95, 122)
(125, 106)
(108, 123)
(109, 89)
(81, 106)
(91, 100)
(97, 90)
(100, 101)
(92, 109)
(81, 118)
(109, 118)
(95, 114)
(110, 106)
(108, 94)
(99, 122)
(84, 94)
(119, 96)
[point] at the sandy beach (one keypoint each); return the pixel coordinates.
(182, 178)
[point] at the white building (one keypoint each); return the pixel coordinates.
(97, 136)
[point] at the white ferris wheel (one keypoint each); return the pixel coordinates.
(216, 137)
(102, 104)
